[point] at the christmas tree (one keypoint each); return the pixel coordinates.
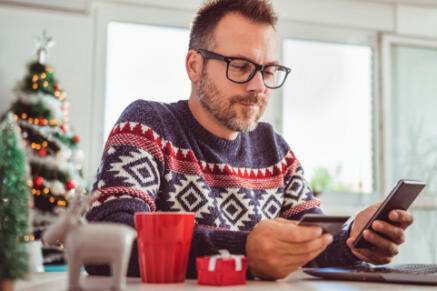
(41, 109)
(14, 204)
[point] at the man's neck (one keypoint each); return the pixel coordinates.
(208, 121)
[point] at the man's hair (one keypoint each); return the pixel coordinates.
(212, 11)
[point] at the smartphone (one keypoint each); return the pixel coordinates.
(401, 197)
(330, 224)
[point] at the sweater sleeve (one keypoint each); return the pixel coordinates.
(128, 177)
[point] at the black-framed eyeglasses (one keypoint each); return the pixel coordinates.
(241, 70)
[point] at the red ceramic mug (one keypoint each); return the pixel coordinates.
(164, 240)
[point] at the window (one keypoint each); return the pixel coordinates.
(410, 138)
(327, 113)
(409, 67)
(142, 60)
(414, 136)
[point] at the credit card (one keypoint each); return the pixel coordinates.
(330, 224)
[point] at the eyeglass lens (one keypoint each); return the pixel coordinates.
(241, 71)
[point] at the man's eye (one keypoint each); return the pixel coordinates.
(271, 70)
(240, 66)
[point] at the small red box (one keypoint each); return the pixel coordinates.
(222, 271)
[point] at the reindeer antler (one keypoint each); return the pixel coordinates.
(75, 202)
(87, 200)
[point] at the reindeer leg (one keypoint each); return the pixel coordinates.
(74, 274)
(119, 270)
(116, 272)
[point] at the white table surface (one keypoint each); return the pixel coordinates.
(299, 281)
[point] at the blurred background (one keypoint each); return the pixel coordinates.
(357, 109)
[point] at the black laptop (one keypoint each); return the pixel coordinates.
(406, 273)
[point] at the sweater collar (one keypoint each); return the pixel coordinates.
(198, 130)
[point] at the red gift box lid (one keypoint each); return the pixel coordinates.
(223, 262)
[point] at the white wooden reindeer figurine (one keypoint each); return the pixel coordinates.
(91, 243)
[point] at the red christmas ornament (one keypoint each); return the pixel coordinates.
(42, 153)
(76, 139)
(38, 181)
(63, 128)
(70, 185)
(42, 121)
(56, 87)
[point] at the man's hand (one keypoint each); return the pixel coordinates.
(277, 247)
(384, 248)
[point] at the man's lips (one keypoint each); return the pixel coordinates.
(249, 105)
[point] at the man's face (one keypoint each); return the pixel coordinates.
(238, 106)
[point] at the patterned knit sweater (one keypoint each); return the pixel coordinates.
(159, 158)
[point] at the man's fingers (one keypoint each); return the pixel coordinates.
(285, 221)
(371, 255)
(303, 259)
(298, 253)
(383, 245)
(385, 236)
(401, 217)
(276, 248)
(304, 233)
(309, 252)
(395, 233)
(310, 247)
(292, 233)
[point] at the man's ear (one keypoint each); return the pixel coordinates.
(194, 65)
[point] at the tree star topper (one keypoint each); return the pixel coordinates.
(43, 44)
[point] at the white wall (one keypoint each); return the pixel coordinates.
(79, 54)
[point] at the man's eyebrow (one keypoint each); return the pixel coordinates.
(273, 63)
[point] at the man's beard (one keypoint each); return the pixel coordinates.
(221, 108)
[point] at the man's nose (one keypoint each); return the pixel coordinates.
(256, 84)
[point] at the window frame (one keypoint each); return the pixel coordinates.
(343, 202)
(387, 41)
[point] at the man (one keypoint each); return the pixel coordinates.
(209, 155)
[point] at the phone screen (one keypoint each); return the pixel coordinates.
(401, 197)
